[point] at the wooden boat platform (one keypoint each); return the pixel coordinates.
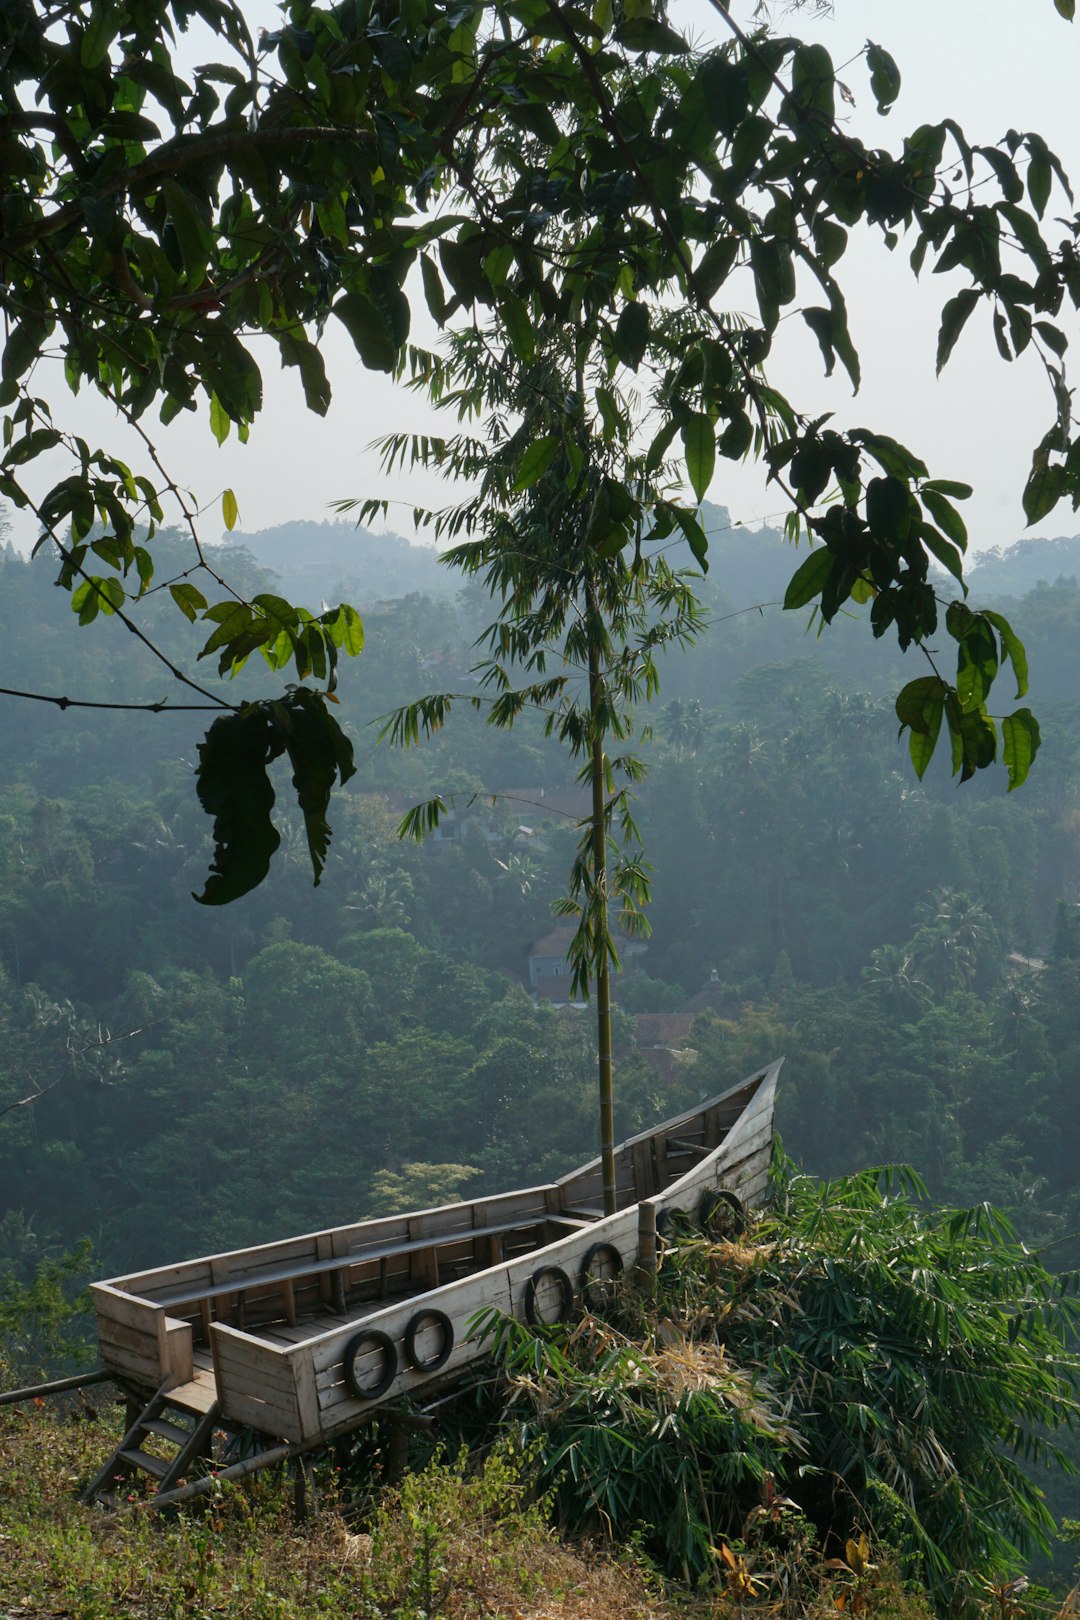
(305, 1339)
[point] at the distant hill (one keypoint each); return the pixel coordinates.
(314, 562)
(329, 560)
(1015, 570)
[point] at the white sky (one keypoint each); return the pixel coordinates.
(990, 64)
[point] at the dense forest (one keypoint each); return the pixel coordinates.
(177, 1079)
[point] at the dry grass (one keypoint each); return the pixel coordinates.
(450, 1545)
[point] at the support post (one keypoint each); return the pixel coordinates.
(647, 1255)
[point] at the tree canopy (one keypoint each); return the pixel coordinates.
(539, 163)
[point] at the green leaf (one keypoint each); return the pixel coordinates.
(645, 34)
(1020, 740)
(319, 753)
(234, 788)
(192, 232)
(946, 486)
(810, 579)
(295, 350)
(536, 461)
(189, 600)
(919, 708)
(820, 322)
(692, 533)
(220, 420)
(101, 30)
(230, 512)
(1066, 9)
(699, 446)
(347, 629)
(945, 516)
(371, 332)
(953, 318)
(884, 76)
(737, 437)
(888, 508)
(519, 327)
(1013, 649)
(1044, 488)
(918, 698)
(921, 744)
(632, 334)
(939, 547)
(660, 445)
(433, 290)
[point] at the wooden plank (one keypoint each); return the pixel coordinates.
(122, 1308)
(149, 1283)
(253, 1372)
(178, 1351)
(127, 1338)
(198, 1395)
(278, 1418)
(144, 1370)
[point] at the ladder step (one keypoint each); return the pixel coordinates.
(143, 1459)
(168, 1431)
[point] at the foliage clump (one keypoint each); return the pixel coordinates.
(858, 1364)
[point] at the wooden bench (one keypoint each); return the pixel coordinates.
(336, 1267)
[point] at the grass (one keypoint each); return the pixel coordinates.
(449, 1543)
(455, 1541)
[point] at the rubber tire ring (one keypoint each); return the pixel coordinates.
(585, 1282)
(663, 1221)
(711, 1202)
(566, 1288)
(442, 1355)
(381, 1341)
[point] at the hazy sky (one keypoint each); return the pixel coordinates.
(991, 64)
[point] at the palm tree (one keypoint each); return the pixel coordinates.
(955, 935)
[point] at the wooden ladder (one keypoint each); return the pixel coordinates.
(186, 1428)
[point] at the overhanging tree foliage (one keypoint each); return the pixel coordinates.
(537, 161)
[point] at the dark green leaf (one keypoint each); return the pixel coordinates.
(536, 461)
(953, 318)
(699, 446)
(645, 34)
(1019, 744)
(297, 351)
(945, 516)
(632, 334)
(809, 579)
(946, 554)
(1013, 649)
(888, 508)
(1043, 490)
(189, 600)
(234, 788)
(371, 332)
(884, 76)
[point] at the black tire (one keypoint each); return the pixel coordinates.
(442, 1355)
(711, 1205)
(566, 1289)
(663, 1221)
(586, 1282)
(378, 1341)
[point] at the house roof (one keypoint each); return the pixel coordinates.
(662, 1029)
(557, 943)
